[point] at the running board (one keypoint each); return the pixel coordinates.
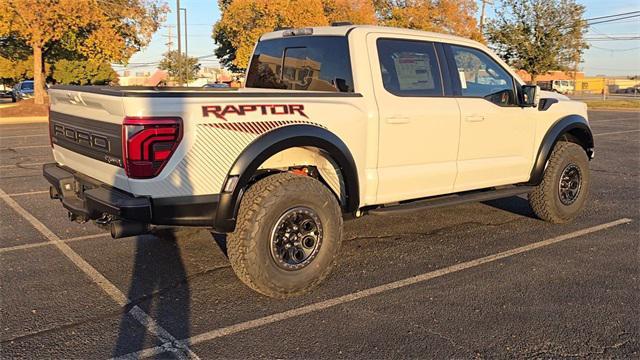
(455, 199)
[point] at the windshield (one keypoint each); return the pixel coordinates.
(26, 86)
(312, 63)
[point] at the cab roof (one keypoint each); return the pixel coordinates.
(343, 30)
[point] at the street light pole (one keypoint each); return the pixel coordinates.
(186, 53)
(179, 43)
(484, 4)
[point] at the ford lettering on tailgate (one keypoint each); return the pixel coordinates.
(96, 139)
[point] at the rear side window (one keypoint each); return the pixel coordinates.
(312, 63)
(409, 68)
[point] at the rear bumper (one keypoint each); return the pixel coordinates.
(90, 199)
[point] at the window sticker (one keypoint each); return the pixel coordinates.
(463, 78)
(414, 71)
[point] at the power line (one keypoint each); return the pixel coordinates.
(613, 50)
(609, 16)
(612, 20)
(627, 38)
(610, 36)
(601, 68)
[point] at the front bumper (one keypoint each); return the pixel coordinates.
(89, 199)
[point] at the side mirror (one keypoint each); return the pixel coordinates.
(531, 95)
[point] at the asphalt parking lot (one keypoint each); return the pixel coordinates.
(481, 280)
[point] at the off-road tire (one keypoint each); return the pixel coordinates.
(545, 199)
(249, 246)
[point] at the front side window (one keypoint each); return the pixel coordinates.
(481, 76)
(312, 63)
(409, 68)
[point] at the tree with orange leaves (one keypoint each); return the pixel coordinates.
(236, 39)
(359, 12)
(456, 17)
(243, 21)
(102, 30)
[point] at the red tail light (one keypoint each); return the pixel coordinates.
(148, 143)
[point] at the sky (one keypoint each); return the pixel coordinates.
(608, 57)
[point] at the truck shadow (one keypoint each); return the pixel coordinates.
(160, 288)
(515, 204)
(221, 240)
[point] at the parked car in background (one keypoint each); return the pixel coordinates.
(559, 86)
(5, 93)
(22, 90)
(216, 85)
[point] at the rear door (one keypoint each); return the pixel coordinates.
(419, 125)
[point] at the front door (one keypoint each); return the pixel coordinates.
(496, 134)
(419, 126)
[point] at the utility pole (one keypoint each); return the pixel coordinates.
(169, 37)
(186, 53)
(484, 4)
(179, 43)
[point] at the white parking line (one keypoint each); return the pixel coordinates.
(19, 165)
(170, 342)
(322, 305)
(21, 136)
(33, 127)
(49, 243)
(29, 193)
(616, 132)
(26, 147)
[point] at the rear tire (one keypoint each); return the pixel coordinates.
(565, 186)
(287, 237)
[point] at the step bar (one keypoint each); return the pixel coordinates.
(448, 200)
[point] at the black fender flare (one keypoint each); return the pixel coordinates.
(575, 125)
(272, 143)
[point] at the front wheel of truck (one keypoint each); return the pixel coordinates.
(287, 237)
(565, 186)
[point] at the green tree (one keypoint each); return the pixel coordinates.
(179, 66)
(100, 30)
(83, 72)
(13, 71)
(539, 35)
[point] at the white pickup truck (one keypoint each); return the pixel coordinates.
(334, 122)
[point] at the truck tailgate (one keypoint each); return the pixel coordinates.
(86, 133)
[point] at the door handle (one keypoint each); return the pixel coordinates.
(398, 120)
(474, 118)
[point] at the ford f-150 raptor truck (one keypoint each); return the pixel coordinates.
(333, 123)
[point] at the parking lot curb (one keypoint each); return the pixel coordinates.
(23, 120)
